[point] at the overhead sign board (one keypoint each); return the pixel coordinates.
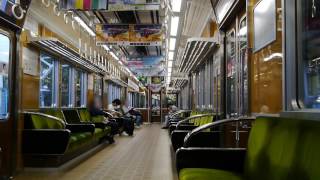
(109, 5)
(83, 4)
(129, 35)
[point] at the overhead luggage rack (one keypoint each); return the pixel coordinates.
(179, 83)
(197, 50)
(117, 81)
(57, 47)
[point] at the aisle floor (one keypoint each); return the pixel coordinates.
(146, 156)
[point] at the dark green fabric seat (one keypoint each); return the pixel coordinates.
(278, 148)
(207, 174)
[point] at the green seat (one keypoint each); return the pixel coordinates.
(207, 174)
(278, 148)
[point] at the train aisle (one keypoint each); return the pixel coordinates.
(145, 156)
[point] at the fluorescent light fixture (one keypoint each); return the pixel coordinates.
(169, 70)
(85, 26)
(170, 64)
(114, 56)
(176, 5)
(171, 55)
(174, 25)
(106, 47)
(172, 45)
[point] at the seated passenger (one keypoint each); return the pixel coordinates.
(172, 109)
(95, 110)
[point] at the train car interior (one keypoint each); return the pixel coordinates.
(159, 90)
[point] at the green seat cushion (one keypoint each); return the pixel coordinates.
(97, 118)
(99, 133)
(78, 139)
(207, 174)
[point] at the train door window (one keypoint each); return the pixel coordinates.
(4, 75)
(309, 54)
(66, 85)
(231, 73)
(243, 68)
(80, 88)
(48, 81)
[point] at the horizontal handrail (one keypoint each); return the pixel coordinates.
(193, 117)
(213, 124)
(179, 112)
(47, 116)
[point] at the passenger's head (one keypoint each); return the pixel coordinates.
(116, 102)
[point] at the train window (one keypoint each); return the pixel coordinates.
(243, 62)
(80, 79)
(66, 85)
(231, 73)
(98, 87)
(4, 75)
(47, 81)
(309, 55)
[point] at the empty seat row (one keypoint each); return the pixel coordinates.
(278, 148)
(54, 136)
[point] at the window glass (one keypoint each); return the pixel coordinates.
(309, 91)
(65, 85)
(98, 87)
(80, 79)
(243, 62)
(47, 81)
(4, 75)
(231, 74)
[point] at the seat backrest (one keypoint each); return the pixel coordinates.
(307, 164)
(55, 112)
(36, 121)
(71, 116)
(275, 150)
(84, 115)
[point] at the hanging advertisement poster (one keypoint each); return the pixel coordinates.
(83, 5)
(155, 87)
(129, 35)
(112, 34)
(157, 80)
(147, 66)
(145, 33)
(125, 5)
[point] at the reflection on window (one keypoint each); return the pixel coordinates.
(66, 85)
(243, 61)
(310, 56)
(231, 74)
(47, 81)
(4, 73)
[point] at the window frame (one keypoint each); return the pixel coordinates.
(71, 85)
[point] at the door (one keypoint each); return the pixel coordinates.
(7, 107)
(237, 95)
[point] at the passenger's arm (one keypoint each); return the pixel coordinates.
(230, 159)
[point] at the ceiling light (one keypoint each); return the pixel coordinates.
(106, 47)
(114, 56)
(172, 45)
(171, 54)
(174, 25)
(170, 64)
(169, 70)
(85, 26)
(176, 5)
